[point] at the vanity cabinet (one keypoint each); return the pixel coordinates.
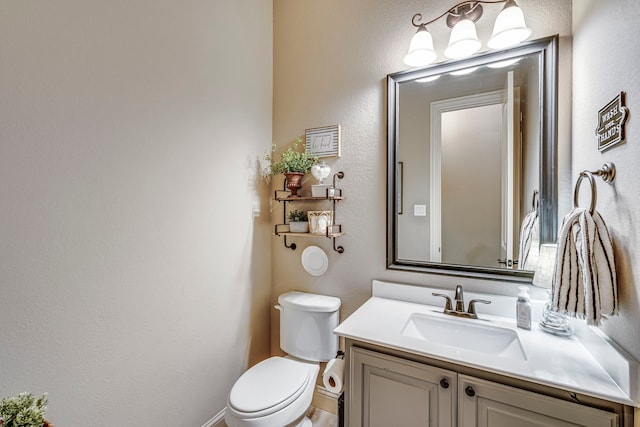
(484, 403)
(388, 390)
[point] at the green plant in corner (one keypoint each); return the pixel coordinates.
(297, 216)
(293, 159)
(23, 410)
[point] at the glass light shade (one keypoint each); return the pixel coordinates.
(503, 64)
(509, 28)
(464, 72)
(428, 79)
(463, 41)
(421, 52)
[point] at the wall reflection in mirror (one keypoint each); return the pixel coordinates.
(475, 139)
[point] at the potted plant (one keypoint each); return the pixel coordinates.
(298, 222)
(293, 163)
(23, 410)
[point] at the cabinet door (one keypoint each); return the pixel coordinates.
(390, 391)
(487, 404)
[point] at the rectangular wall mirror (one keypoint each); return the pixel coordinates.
(472, 153)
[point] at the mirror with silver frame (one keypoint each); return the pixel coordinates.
(471, 185)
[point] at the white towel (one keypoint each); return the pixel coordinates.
(584, 281)
(529, 247)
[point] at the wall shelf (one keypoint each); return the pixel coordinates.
(334, 195)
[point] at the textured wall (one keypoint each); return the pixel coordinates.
(606, 61)
(331, 60)
(134, 246)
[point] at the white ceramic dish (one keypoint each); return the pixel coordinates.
(315, 261)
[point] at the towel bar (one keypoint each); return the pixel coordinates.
(608, 175)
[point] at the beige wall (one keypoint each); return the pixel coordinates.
(606, 62)
(134, 235)
(331, 59)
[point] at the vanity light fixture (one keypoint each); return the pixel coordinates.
(509, 29)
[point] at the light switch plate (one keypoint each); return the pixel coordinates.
(419, 210)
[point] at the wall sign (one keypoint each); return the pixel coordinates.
(611, 121)
(324, 141)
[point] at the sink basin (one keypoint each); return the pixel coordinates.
(474, 335)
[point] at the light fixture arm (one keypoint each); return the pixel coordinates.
(468, 9)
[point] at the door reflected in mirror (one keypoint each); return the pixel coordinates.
(476, 144)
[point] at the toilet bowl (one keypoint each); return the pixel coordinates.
(277, 392)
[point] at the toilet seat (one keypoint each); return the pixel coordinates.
(284, 379)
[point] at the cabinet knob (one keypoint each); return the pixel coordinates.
(444, 383)
(469, 391)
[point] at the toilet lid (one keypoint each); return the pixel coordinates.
(272, 383)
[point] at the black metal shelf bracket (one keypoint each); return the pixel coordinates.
(334, 196)
(292, 246)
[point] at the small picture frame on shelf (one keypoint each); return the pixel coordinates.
(319, 221)
(323, 141)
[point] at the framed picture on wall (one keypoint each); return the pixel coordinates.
(323, 141)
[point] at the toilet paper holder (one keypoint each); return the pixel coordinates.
(333, 375)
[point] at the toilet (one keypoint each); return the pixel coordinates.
(277, 392)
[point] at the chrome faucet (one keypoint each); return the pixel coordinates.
(459, 304)
(459, 299)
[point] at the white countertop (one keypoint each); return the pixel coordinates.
(584, 363)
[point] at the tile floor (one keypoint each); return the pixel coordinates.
(320, 418)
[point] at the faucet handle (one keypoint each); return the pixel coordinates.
(447, 305)
(472, 305)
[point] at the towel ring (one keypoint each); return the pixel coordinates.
(594, 192)
(608, 175)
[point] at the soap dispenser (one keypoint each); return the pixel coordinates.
(523, 309)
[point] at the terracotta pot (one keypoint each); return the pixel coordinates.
(294, 182)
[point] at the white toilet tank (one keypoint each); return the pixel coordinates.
(307, 322)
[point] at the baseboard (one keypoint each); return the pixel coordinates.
(325, 399)
(217, 420)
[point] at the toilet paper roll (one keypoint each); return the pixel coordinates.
(333, 376)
